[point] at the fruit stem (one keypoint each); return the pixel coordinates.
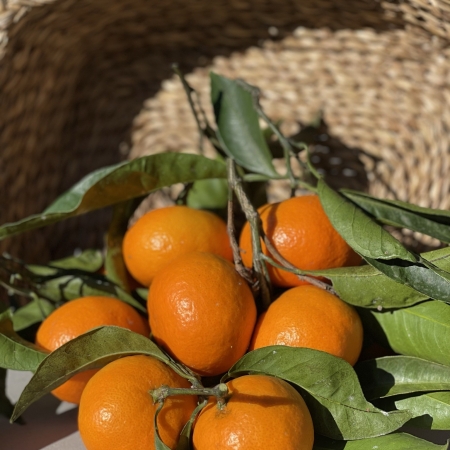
(254, 220)
(160, 394)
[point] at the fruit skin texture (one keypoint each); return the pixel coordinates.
(262, 413)
(116, 411)
(162, 234)
(202, 312)
(301, 232)
(307, 316)
(77, 317)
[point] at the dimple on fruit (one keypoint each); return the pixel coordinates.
(262, 412)
(161, 235)
(77, 317)
(307, 316)
(116, 410)
(202, 312)
(301, 232)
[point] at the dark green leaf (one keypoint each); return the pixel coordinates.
(422, 330)
(432, 282)
(115, 269)
(432, 222)
(330, 388)
(208, 194)
(91, 350)
(121, 182)
(31, 313)
(185, 436)
(431, 411)
(239, 132)
(396, 441)
(16, 353)
(58, 284)
(360, 231)
(395, 375)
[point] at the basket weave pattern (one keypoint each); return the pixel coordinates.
(88, 83)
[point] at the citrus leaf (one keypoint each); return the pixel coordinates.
(239, 132)
(120, 182)
(16, 353)
(184, 442)
(422, 330)
(208, 194)
(91, 350)
(432, 222)
(397, 375)
(430, 411)
(395, 441)
(330, 388)
(426, 279)
(367, 287)
(58, 284)
(88, 260)
(31, 313)
(361, 232)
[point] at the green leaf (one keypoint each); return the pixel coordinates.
(31, 313)
(92, 350)
(115, 269)
(360, 231)
(367, 287)
(58, 284)
(16, 353)
(121, 182)
(330, 388)
(380, 249)
(422, 330)
(88, 260)
(208, 194)
(429, 281)
(430, 411)
(185, 436)
(239, 132)
(396, 441)
(396, 375)
(432, 222)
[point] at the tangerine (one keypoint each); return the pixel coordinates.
(262, 412)
(202, 312)
(301, 232)
(161, 235)
(77, 317)
(307, 316)
(117, 412)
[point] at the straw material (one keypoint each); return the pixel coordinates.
(87, 83)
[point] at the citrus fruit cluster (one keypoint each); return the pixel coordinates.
(203, 314)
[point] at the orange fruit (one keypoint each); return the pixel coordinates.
(307, 316)
(162, 234)
(202, 312)
(116, 410)
(262, 412)
(301, 232)
(77, 317)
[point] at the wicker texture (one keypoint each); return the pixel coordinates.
(87, 83)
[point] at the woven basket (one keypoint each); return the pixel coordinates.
(86, 83)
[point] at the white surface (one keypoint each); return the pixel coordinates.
(52, 425)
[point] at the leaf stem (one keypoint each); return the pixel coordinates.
(252, 216)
